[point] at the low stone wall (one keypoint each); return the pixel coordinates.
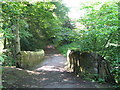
(89, 65)
(30, 59)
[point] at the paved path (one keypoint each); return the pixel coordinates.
(49, 74)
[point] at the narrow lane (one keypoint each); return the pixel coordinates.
(57, 76)
(49, 74)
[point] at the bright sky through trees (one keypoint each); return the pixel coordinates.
(74, 6)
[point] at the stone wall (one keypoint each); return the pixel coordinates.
(30, 59)
(89, 65)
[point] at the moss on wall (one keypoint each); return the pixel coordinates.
(31, 58)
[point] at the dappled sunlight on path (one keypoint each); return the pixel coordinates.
(48, 74)
(55, 74)
(56, 62)
(50, 68)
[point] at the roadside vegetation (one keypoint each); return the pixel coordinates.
(98, 32)
(46, 23)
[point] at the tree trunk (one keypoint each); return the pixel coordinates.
(17, 40)
(16, 44)
(1, 50)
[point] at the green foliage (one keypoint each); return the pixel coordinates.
(65, 36)
(8, 60)
(100, 25)
(1, 59)
(100, 80)
(41, 23)
(38, 22)
(63, 49)
(100, 34)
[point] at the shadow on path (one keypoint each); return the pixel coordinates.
(49, 74)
